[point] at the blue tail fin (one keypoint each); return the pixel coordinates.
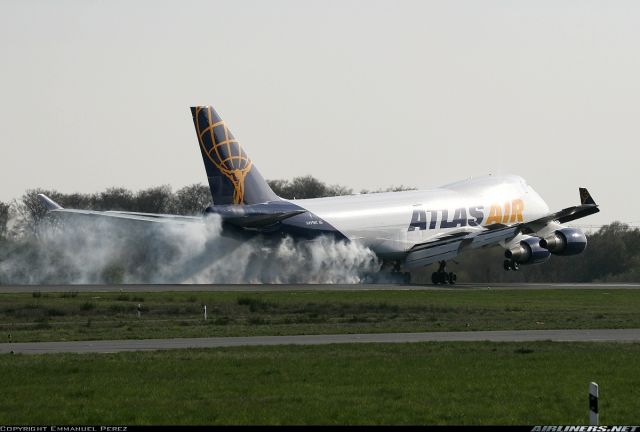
(233, 178)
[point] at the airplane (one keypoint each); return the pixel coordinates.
(406, 229)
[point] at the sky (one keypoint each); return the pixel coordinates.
(367, 94)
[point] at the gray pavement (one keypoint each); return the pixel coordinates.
(297, 287)
(110, 346)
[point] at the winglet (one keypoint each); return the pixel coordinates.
(585, 197)
(49, 203)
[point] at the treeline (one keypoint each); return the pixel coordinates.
(27, 211)
(310, 187)
(613, 253)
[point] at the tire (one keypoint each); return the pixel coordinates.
(434, 278)
(452, 278)
(406, 278)
(443, 278)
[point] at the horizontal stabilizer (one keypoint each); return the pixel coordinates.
(253, 216)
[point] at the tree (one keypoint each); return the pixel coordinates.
(30, 210)
(114, 198)
(154, 200)
(191, 200)
(306, 187)
(4, 219)
(389, 189)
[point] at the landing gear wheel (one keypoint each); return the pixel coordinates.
(442, 276)
(395, 274)
(452, 278)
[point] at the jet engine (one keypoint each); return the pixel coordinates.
(565, 241)
(527, 251)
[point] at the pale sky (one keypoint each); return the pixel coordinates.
(366, 94)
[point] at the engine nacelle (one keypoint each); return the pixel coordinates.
(528, 251)
(566, 241)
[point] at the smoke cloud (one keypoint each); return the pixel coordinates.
(86, 250)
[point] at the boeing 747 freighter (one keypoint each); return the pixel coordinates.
(406, 229)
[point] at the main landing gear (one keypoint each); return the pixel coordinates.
(391, 272)
(398, 276)
(511, 265)
(441, 276)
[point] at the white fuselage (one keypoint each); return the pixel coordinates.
(393, 222)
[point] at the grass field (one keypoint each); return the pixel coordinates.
(425, 383)
(89, 316)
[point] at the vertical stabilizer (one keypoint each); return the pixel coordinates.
(233, 178)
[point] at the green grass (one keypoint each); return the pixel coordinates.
(422, 383)
(82, 316)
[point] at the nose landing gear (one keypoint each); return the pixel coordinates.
(442, 276)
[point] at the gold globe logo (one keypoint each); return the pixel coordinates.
(223, 150)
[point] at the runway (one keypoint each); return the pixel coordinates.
(299, 287)
(112, 346)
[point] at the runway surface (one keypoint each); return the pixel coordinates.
(298, 287)
(111, 346)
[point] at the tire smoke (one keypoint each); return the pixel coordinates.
(87, 250)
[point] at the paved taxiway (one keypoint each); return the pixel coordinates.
(298, 287)
(608, 335)
(109, 346)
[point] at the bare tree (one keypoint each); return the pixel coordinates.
(4, 219)
(389, 189)
(30, 210)
(191, 200)
(115, 198)
(154, 200)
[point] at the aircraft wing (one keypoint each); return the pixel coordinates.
(239, 216)
(587, 207)
(453, 243)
